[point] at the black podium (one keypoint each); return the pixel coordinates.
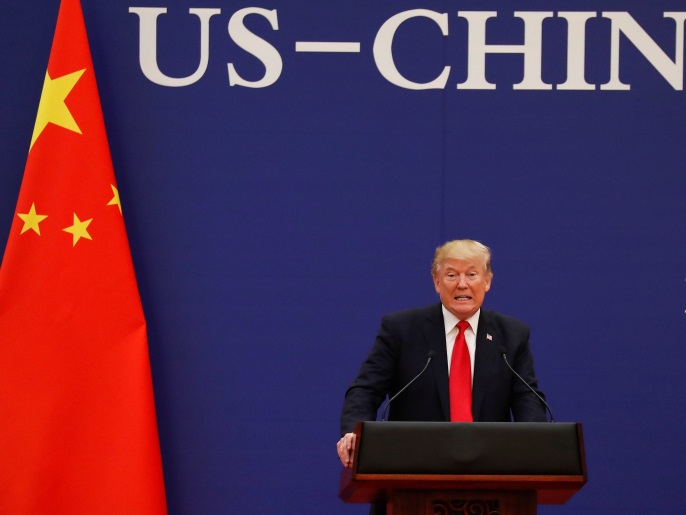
(453, 468)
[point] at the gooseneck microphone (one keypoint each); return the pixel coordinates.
(502, 352)
(429, 357)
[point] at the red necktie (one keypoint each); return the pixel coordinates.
(461, 378)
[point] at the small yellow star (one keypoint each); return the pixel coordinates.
(31, 220)
(115, 200)
(79, 229)
(52, 108)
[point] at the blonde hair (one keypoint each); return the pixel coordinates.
(462, 249)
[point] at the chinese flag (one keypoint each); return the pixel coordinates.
(78, 433)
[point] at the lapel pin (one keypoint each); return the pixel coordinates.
(489, 337)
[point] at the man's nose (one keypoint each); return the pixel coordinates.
(462, 283)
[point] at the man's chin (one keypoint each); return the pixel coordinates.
(463, 310)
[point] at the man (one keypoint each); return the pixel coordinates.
(462, 275)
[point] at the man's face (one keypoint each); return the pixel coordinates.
(462, 286)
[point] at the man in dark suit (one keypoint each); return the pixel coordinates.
(462, 275)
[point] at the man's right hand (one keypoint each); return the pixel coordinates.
(346, 448)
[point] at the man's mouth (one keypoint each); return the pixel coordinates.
(463, 297)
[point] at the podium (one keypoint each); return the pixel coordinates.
(451, 468)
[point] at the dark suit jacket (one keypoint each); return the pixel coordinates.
(400, 352)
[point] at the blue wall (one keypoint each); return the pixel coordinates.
(272, 227)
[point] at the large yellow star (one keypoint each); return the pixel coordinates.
(115, 200)
(79, 229)
(31, 220)
(52, 108)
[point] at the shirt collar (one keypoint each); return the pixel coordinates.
(450, 320)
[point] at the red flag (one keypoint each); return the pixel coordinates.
(78, 433)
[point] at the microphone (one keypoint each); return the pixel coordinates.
(502, 352)
(429, 356)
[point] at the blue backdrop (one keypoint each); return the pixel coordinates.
(273, 223)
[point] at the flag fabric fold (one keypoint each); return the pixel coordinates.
(78, 431)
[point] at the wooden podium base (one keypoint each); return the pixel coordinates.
(461, 502)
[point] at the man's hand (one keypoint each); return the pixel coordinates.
(346, 448)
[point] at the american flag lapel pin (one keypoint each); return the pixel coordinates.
(489, 337)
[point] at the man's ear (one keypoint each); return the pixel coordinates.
(436, 281)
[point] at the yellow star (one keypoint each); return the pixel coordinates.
(115, 200)
(79, 229)
(52, 108)
(31, 220)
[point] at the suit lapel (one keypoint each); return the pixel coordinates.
(434, 334)
(488, 340)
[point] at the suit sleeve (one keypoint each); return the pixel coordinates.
(373, 382)
(524, 405)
